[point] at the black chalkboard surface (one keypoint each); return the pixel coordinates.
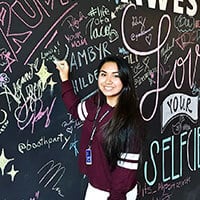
(39, 139)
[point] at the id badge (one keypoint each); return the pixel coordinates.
(88, 156)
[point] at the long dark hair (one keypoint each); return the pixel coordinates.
(122, 132)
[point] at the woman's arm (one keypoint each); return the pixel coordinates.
(69, 98)
(72, 102)
(124, 176)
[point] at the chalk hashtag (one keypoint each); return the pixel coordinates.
(92, 12)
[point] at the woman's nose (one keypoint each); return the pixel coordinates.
(108, 79)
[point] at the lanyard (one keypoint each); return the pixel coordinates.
(94, 127)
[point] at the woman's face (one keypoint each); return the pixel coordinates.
(109, 82)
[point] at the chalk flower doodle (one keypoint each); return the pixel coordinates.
(4, 79)
(6, 60)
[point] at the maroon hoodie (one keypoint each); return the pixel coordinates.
(118, 181)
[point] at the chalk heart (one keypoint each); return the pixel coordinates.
(69, 129)
(148, 38)
(64, 2)
(113, 35)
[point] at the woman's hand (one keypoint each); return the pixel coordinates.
(63, 68)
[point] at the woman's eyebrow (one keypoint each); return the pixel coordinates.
(116, 72)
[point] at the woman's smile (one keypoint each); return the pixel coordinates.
(109, 82)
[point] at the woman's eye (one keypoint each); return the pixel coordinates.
(102, 74)
(116, 75)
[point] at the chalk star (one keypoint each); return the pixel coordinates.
(3, 161)
(43, 74)
(12, 173)
(51, 83)
(73, 145)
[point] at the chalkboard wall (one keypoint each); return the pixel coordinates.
(39, 139)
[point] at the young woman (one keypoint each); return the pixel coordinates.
(111, 140)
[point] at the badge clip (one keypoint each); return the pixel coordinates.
(88, 156)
